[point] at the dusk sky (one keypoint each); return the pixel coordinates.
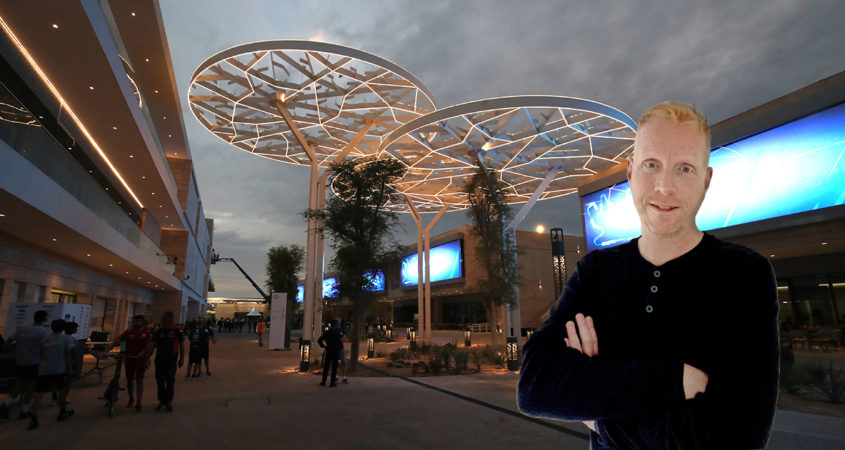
(725, 57)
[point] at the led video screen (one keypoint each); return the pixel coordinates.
(300, 293)
(330, 287)
(377, 281)
(445, 264)
(793, 168)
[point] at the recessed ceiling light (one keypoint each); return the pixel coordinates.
(143, 177)
(156, 92)
(107, 188)
(119, 203)
(111, 265)
(56, 26)
(91, 87)
(154, 193)
(2, 215)
(70, 148)
(113, 128)
(87, 254)
(169, 135)
(176, 153)
(54, 239)
(131, 156)
(771, 256)
(127, 273)
(160, 206)
(164, 117)
(824, 243)
(147, 59)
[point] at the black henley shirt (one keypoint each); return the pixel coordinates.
(714, 308)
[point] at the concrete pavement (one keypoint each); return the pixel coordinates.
(256, 398)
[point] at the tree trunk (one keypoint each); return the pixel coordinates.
(356, 337)
(494, 308)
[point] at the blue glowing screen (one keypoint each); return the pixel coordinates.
(793, 168)
(330, 287)
(445, 264)
(377, 281)
(300, 293)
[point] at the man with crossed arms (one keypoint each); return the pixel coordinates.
(687, 322)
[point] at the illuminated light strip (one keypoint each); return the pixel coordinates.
(65, 105)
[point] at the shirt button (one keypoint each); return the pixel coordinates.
(656, 274)
(654, 289)
(649, 308)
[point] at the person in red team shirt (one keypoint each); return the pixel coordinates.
(135, 360)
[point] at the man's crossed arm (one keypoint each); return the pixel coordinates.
(581, 336)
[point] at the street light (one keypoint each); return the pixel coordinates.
(304, 355)
(512, 353)
(468, 337)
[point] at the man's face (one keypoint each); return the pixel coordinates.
(165, 320)
(669, 176)
(138, 323)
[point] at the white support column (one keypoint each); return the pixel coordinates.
(514, 315)
(313, 288)
(428, 269)
(315, 245)
(420, 276)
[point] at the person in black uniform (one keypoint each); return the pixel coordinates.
(331, 341)
(167, 341)
(663, 376)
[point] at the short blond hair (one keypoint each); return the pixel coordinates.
(678, 113)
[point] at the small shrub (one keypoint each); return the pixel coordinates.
(476, 359)
(419, 366)
(400, 354)
(827, 381)
(435, 365)
(498, 360)
(461, 358)
(381, 355)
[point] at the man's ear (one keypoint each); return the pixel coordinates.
(630, 168)
(707, 178)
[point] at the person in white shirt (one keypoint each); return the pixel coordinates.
(27, 341)
(56, 364)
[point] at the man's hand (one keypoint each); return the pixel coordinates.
(695, 381)
(588, 342)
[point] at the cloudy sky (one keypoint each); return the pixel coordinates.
(723, 56)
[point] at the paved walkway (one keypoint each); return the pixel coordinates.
(256, 398)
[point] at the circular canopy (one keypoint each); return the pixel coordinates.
(522, 137)
(330, 91)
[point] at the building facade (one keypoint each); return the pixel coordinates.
(99, 203)
(456, 277)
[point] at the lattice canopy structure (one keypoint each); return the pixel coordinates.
(330, 91)
(522, 137)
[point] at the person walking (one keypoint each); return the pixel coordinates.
(330, 341)
(135, 360)
(199, 338)
(56, 364)
(168, 342)
(27, 341)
